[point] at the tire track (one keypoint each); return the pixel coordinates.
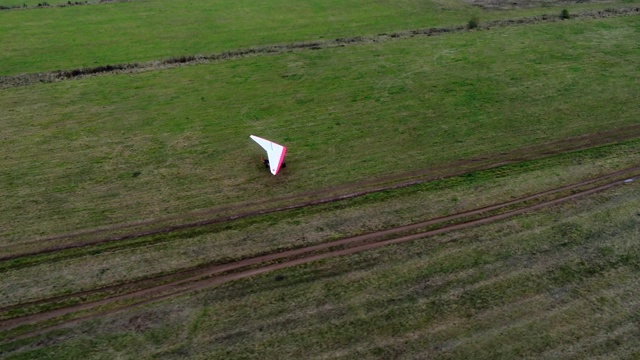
(311, 198)
(198, 270)
(220, 274)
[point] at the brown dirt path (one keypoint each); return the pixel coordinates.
(204, 270)
(220, 274)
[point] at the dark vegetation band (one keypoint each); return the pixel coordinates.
(46, 4)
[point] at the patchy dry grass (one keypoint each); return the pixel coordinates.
(539, 285)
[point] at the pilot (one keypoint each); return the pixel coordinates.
(266, 163)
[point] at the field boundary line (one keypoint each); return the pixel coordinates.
(184, 60)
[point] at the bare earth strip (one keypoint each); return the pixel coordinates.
(54, 76)
(220, 274)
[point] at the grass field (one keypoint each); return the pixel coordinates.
(63, 42)
(347, 114)
(465, 294)
(119, 148)
(85, 36)
(251, 237)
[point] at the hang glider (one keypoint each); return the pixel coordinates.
(275, 153)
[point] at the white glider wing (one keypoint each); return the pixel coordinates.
(275, 152)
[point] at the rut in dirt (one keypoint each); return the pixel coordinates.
(219, 274)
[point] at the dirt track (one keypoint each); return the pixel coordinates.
(121, 296)
(151, 290)
(111, 234)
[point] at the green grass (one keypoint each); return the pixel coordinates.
(86, 36)
(347, 114)
(555, 283)
(94, 267)
(66, 38)
(558, 283)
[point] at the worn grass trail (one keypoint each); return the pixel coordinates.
(520, 288)
(202, 278)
